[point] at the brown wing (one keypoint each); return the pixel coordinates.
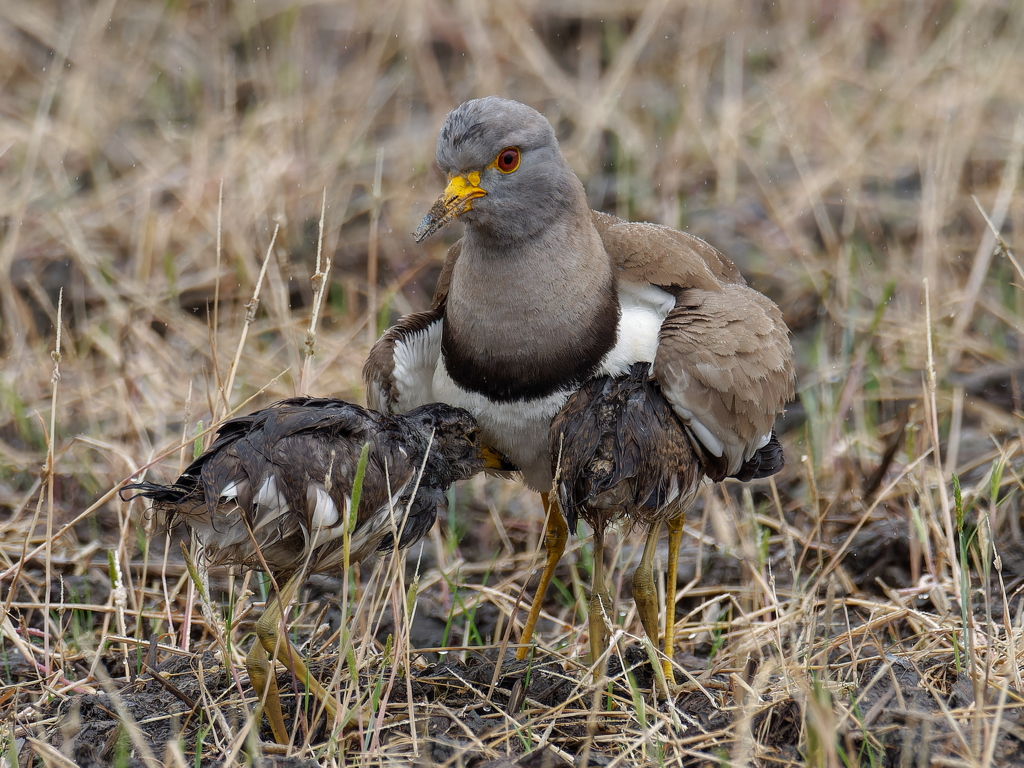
(725, 363)
(651, 253)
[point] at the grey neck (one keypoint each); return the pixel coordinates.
(531, 317)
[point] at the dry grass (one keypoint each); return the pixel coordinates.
(158, 161)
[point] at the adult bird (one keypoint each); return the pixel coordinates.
(541, 295)
(275, 491)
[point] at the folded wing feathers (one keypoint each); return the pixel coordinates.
(725, 362)
(664, 256)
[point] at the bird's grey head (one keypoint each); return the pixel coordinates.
(474, 131)
(507, 176)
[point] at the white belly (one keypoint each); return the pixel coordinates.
(518, 429)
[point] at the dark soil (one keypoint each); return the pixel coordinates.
(898, 721)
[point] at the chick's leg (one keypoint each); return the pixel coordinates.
(675, 539)
(645, 593)
(554, 543)
(600, 604)
(277, 645)
(264, 683)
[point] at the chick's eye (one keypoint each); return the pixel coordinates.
(508, 159)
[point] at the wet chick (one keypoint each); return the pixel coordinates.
(621, 453)
(275, 491)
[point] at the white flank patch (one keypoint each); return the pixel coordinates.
(270, 501)
(415, 359)
(230, 491)
(325, 512)
(644, 309)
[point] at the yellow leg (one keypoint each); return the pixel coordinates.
(600, 604)
(675, 539)
(554, 542)
(276, 644)
(264, 682)
(645, 595)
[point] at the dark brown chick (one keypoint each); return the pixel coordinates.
(275, 491)
(620, 453)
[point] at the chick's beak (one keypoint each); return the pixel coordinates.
(457, 198)
(493, 459)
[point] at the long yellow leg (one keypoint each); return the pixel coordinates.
(675, 539)
(554, 542)
(600, 604)
(276, 644)
(645, 594)
(264, 682)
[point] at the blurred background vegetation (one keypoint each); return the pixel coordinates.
(831, 149)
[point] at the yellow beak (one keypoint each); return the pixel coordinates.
(457, 199)
(493, 459)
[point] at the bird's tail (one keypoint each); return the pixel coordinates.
(158, 494)
(768, 461)
(171, 504)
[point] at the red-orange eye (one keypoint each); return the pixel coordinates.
(507, 160)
